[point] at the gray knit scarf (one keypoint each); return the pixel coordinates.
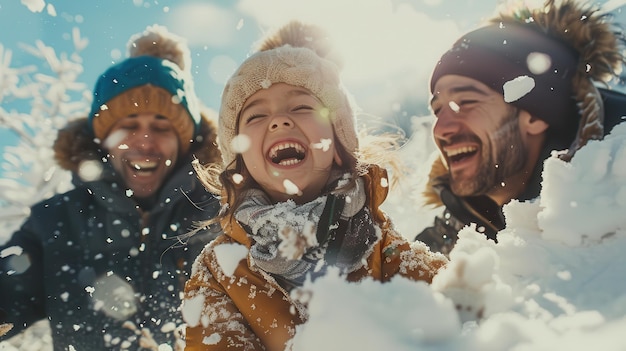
(293, 241)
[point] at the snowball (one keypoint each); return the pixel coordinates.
(538, 62)
(229, 255)
(324, 144)
(291, 188)
(240, 143)
(192, 309)
(517, 88)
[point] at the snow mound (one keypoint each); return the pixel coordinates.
(554, 280)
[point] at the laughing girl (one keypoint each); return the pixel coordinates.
(298, 198)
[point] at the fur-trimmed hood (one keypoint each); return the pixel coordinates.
(438, 174)
(75, 144)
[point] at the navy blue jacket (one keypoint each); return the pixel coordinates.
(100, 268)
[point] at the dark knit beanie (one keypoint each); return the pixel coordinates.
(500, 53)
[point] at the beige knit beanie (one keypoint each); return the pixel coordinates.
(299, 55)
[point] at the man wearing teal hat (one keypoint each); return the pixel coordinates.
(106, 262)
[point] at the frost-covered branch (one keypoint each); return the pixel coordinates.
(36, 101)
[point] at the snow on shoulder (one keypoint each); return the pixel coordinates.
(554, 281)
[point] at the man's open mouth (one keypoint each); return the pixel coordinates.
(460, 153)
(287, 154)
(144, 166)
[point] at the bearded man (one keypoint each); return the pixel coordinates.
(530, 84)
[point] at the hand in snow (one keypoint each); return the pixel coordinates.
(469, 303)
(466, 280)
(5, 328)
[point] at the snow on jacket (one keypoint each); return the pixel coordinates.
(249, 310)
(95, 265)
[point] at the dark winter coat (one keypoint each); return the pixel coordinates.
(96, 265)
(457, 212)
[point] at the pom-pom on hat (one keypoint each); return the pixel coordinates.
(297, 54)
(560, 51)
(155, 78)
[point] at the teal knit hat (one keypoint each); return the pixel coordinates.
(150, 81)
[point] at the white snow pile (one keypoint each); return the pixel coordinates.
(555, 280)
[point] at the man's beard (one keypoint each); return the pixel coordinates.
(503, 156)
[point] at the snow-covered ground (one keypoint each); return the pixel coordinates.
(555, 280)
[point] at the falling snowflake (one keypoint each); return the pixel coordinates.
(12, 250)
(90, 170)
(324, 144)
(291, 188)
(240, 143)
(237, 178)
(454, 106)
(229, 255)
(114, 139)
(517, 88)
(266, 83)
(538, 62)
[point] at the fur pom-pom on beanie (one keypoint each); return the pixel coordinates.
(156, 79)
(297, 54)
(558, 52)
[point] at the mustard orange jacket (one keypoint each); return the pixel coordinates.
(249, 310)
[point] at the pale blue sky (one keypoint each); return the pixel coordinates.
(219, 30)
(389, 46)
